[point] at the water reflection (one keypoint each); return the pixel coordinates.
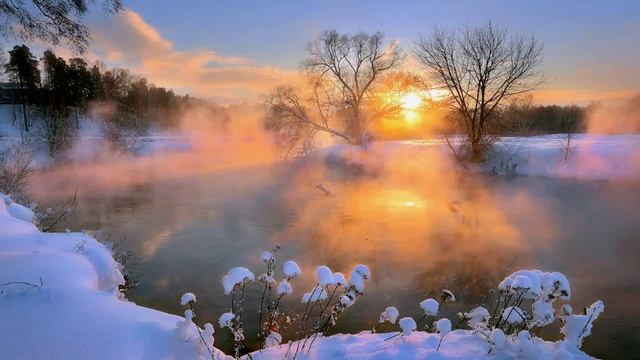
(419, 227)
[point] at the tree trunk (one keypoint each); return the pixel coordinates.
(24, 115)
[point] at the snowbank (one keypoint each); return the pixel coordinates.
(593, 157)
(64, 302)
(59, 299)
(459, 344)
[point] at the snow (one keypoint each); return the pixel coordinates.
(443, 326)
(362, 270)
(187, 298)
(477, 316)
(73, 310)
(225, 319)
(497, 338)
(18, 211)
(527, 282)
(430, 307)
(448, 295)
(458, 345)
(408, 325)
(274, 339)
(284, 288)
(577, 327)
(543, 312)
(513, 315)
(324, 275)
(359, 275)
(338, 279)
(266, 256)
(317, 294)
(207, 335)
(590, 157)
(389, 314)
(290, 269)
(186, 326)
(235, 277)
(345, 300)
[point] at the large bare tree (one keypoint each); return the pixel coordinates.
(50, 20)
(481, 67)
(343, 71)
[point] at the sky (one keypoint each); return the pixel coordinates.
(239, 50)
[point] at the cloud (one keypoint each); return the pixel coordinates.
(127, 40)
(581, 97)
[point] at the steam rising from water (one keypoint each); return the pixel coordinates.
(204, 143)
(615, 117)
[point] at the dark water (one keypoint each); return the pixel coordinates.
(418, 232)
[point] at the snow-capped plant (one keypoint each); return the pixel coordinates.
(408, 325)
(341, 295)
(497, 339)
(577, 327)
(284, 288)
(185, 326)
(339, 279)
(234, 283)
(325, 276)
(389, 314)
(430, 307)
(478, 318)
(447, 296)
(290, 269)
(188, 298)
(206, 345)
(236, 277)
(513, 315)
(274, 339)
(525, 343)
(525, 304)
(269, 259)
(443, 327)
(225, 319)
(317, 294)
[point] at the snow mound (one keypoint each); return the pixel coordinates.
(64, 302)
(458, 344)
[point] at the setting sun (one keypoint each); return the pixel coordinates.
(410, 100)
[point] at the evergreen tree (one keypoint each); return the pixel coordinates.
(24, 74)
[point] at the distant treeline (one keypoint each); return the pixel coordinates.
(51, 93)
(522, 117)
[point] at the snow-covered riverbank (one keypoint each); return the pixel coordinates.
(584, 156)
(60, 300)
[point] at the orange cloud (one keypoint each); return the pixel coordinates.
(583, 97)
(127, 40)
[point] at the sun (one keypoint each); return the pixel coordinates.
(410, 101)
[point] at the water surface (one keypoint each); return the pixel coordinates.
(419, 231)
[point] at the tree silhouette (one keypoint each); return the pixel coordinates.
(343, 71)
(24, 74)
(481, 67)
(50, 20)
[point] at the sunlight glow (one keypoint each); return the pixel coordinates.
(410, 101)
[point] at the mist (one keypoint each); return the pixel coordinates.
(615, 117)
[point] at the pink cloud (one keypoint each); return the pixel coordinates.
(127, 40)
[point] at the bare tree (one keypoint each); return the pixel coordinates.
(50, 20)
(480, 67)
(343, 71)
